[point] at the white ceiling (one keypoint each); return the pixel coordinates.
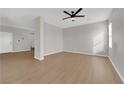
(25, 17)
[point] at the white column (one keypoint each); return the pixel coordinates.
(39, 39)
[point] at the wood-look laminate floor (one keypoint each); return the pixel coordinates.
(60, 68)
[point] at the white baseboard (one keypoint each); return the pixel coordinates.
(116, 69)
(16, 51)
(46, 54)
(91, 54)
(22, 50)
(40, 59)
(5, 52)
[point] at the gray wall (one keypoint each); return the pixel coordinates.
(52, 39)
(116, 53)
(80, 39)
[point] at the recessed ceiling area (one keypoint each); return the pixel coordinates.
(25, 17)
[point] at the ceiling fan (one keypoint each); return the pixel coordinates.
(73, 14)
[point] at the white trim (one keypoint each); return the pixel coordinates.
(91, 54)
(21, 50)
(116, 69)
(16, 51)
(54, 52)
(6, 52)
(40, 59)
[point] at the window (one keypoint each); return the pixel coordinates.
(110, 35)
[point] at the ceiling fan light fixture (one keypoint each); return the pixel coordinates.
(72, 19)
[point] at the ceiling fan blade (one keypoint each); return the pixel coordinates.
(67, 13)
(78, 11)
(66, 18)
(80, 16)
